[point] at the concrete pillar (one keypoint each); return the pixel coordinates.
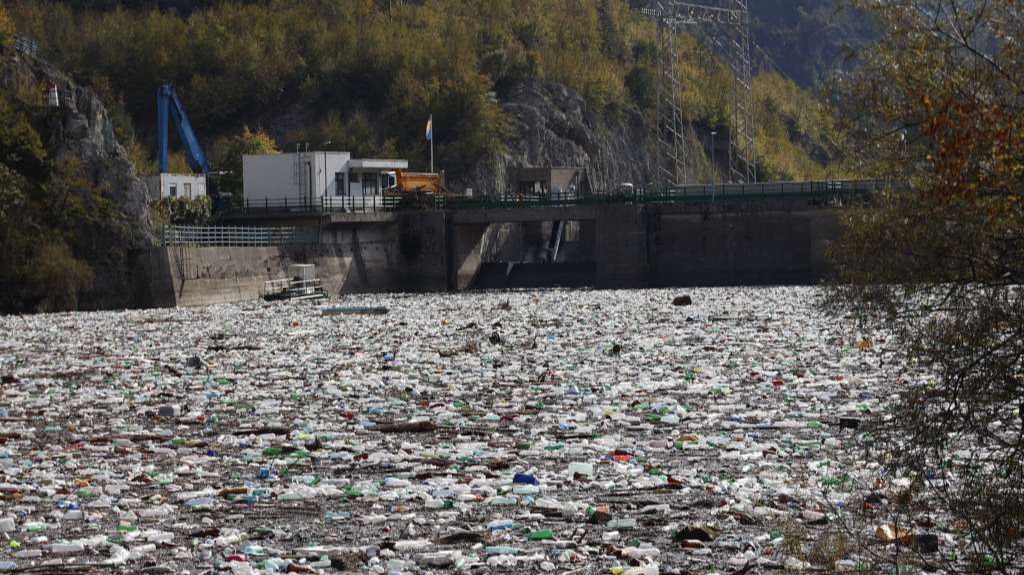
(423, 251)
(464, 254)
(621, 249)
(825, 228)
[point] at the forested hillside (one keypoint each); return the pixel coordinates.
(366, 78)
(808, 40)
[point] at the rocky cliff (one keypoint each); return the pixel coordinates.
(80, 130)
(554, 126)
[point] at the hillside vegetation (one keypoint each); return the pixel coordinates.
(808, 40)
(365, 78)
(52, 218)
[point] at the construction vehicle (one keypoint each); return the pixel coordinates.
(419, 190)
(168, 104)
(402, 181)
(169, 108)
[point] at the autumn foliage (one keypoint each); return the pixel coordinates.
(320, 70)
(938, 260)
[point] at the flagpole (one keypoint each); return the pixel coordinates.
(431, 143)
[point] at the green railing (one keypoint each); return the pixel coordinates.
(839, 191)
(832, 190)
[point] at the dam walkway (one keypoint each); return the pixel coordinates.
(834, 192)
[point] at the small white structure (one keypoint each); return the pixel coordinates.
(53, 97)
(189, 186)
(302, 272)
(302, 284)
(316, 180)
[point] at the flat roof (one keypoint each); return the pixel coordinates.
(374, 164)
(174, 175)
(309, 153)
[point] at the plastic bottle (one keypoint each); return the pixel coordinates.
(501, 525)
(524, 479)
(585, 469)
(501, 550)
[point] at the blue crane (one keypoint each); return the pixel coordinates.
(168, 103)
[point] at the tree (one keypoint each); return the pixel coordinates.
(938, 259)
(228, 156)
(641, 85)
(38, 271)
(246, 61)
(612, 43)
(58, 277)
(182, 211)
(6, 28)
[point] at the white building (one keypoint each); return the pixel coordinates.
(315, 179)
(190, 186)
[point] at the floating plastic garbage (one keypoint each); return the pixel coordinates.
(333, 311)
(523, 479)
(521, 432)
(585, 469)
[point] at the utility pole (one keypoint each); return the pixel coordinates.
(327, 183)
(714, 165)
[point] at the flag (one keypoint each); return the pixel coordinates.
(430, 129)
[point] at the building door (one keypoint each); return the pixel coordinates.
(312, 184)
(356, 185)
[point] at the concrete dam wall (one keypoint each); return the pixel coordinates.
(619, 246)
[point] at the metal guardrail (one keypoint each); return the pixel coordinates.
(824, 188)
(830, 190)
(218, 236)
(293, 289)
(826, 191)
(328, 204)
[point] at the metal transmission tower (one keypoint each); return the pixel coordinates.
(672, 163)
(742, 154)
(730, 32)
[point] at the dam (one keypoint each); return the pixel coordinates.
(739, 240)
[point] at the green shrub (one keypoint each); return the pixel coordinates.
(182, 211)
(57, 277)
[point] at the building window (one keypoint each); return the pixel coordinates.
(188, 191)
(174, 190)
(370, 184)
(339, 184)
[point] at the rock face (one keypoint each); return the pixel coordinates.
(86, 134)
(81, 130)
(553, 126)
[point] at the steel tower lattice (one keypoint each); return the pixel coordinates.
(729, 25)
